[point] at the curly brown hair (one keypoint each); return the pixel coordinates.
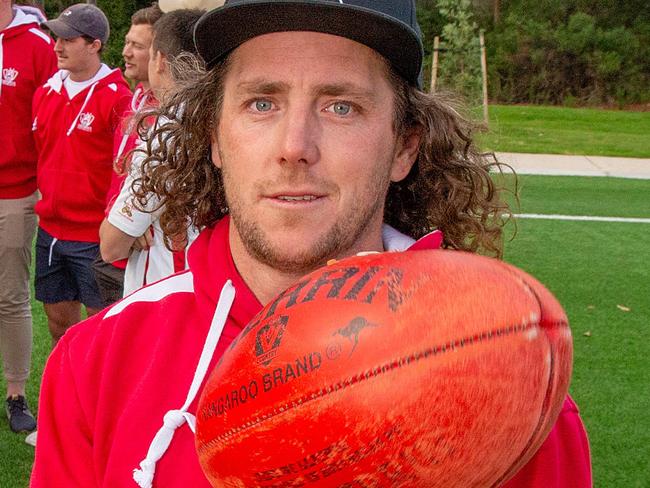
(448, 188)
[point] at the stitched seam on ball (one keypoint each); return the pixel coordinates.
(389, 366)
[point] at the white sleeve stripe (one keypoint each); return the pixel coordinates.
(183, 282)
(40, 34)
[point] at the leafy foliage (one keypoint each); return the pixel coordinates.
(572, 52)
(460, 68)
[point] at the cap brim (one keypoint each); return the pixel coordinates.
(221, 30)
(61, 29)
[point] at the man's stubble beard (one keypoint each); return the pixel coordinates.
(337, 242)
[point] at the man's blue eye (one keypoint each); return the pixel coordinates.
(263, 105)
(341, 108)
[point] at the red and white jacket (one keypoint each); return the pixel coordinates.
(27, 60)
(74, 138)
(111, 379)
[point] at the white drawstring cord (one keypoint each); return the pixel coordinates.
(74, 122)
(173, 419)
(49, 258)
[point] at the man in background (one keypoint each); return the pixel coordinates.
(27, 60)
(137, 42)
(126, 225)
(75, 117)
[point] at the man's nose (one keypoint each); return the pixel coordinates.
(298, 136)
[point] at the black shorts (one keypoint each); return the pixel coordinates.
(64, 271)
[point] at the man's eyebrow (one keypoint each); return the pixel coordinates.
(343, 89)
(262, 87)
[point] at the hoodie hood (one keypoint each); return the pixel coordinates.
(24, 19)
(105, 77)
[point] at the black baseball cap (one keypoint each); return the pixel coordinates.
(387, 26)
(80, 19)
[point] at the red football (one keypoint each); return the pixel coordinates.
(413, 369)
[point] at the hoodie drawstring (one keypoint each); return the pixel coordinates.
(173, 419)
(83, 106)
(49, 257)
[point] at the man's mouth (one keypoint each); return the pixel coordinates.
(298, 198)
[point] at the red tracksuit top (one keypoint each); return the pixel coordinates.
(111, 379)
(74, 138)
(27, 60)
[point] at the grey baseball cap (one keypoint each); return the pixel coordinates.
(387, 26)
(78, 20)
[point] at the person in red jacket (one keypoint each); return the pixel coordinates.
(27, 60)
(75, 117)
(307, 139)
(110, 275)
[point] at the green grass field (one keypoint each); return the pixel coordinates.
(601, 274)
(598, 270)
(561, 130)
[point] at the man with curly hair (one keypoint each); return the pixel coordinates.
(307, 139)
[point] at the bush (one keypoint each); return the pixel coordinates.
(536, 62)
(582, 52)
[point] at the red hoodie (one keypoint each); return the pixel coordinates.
(27, 60)
(111, 380)
(74, 138)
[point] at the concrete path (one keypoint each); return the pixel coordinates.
(557, 164)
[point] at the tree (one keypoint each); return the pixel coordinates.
(460, 68)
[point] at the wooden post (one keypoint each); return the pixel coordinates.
(434, 64)
(484, 72)
(92, 2)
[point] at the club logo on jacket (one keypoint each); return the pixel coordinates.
(85, 121)
(9, 76)
(127, 212)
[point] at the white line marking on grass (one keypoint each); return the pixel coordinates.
(587, 218)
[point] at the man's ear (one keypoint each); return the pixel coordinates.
(214, 150)
(160, 63)
(95, 46)
(406, 153)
